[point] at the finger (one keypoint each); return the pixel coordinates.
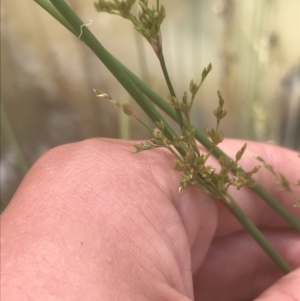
(92, 216)
(239, 268)
(146, 189)
(285, 289)
(231, 275)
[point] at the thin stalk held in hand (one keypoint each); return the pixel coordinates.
(135, 87)
(257, 235)
(170, 87)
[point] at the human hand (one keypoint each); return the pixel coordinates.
(92, 221)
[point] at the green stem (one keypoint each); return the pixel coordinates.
(257, 235)
(153, 96)
(244, 220)
(129, 84)
(170, 87)
(113, 66)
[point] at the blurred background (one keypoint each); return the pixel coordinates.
(47, 74)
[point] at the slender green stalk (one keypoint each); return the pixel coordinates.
(257, 235)
(132, 85)
(171, 89)
(234, 208)
(113, 65)
(169, 110)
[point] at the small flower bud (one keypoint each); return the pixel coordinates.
(127, 109)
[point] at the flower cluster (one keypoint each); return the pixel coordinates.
(147, 23)
(192, 163)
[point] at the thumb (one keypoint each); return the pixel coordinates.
(285, 289)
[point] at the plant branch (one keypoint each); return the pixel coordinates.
(257, 235)
(170, 87)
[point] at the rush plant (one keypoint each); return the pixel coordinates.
(190, 162)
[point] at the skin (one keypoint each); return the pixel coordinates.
(93, 221)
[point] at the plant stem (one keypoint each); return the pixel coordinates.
(130, 83)
(235, 209)
(136, 88)
(171, 90)
(257, 235)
